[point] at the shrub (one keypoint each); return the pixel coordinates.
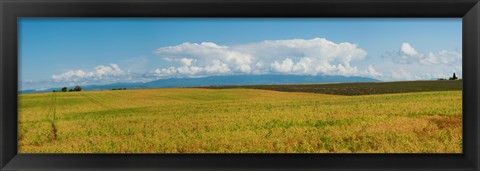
(77, 88)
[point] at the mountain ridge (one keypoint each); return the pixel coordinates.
(226, 80)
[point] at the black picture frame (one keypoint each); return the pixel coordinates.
(469, 10)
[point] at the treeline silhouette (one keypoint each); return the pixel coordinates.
(78, 88)
(65, 89)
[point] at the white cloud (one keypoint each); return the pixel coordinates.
(189, 70)
(285, 67)
(317, 56)
(99, 74)
(407, 49)
(165, 72)
(217, 67)
(186, 61)
(206, 53)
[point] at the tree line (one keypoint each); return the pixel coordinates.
(78, 88)
(65, 89)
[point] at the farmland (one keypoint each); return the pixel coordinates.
(363, 88)
(399, 117)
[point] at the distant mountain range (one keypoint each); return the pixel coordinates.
(221, 81)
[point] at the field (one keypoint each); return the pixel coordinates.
(353, 89)
(325, 118)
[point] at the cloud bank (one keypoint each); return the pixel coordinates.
(317, 56)
(109, 72)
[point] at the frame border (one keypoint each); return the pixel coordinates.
(469, 10)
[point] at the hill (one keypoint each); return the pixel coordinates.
(362, 88)
(229, 80)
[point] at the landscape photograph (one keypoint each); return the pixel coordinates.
(239, 85)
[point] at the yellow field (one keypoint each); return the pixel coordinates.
(190, 120)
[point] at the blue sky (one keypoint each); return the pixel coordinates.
(69, 51)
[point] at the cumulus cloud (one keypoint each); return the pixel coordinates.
(100, 74)
(206, 53)
(285, 67)
(217, 67)
(317, 56)
(407, 49)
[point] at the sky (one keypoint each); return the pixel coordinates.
(57, 52)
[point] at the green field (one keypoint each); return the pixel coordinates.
(324, 118)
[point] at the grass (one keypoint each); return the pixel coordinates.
(239, 120)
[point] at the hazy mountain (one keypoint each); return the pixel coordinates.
(252, 80)
(223, 81)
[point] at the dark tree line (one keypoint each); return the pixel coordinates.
(78, 88)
